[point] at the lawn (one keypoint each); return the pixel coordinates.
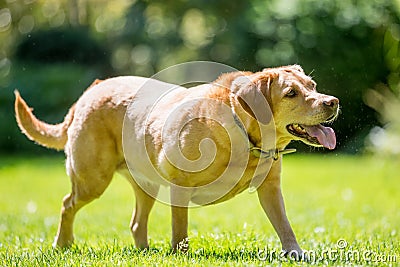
(344, 209)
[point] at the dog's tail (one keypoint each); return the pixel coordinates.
(48, 135)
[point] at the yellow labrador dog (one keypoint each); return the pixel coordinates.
(278, 104)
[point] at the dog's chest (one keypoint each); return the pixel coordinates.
(233, 181)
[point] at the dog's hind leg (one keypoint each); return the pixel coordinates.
(79, 197)
(90, 176)
(65, 236)
(144, 202)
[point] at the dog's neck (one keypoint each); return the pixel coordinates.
(249, 124)
(261, 141)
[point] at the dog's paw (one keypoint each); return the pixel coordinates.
(182, 246)
(60, 243)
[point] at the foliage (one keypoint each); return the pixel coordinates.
(340, 42)
(385, 141)
(324, 204)
(61, 45)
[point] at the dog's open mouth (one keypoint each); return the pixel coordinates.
(316, 135)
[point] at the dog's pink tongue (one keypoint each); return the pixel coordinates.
(325, 135)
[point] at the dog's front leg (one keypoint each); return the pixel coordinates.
(179, 207)
(271, 199)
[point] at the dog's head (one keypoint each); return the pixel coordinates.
(298, 110)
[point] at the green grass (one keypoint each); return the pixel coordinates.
(328, 198)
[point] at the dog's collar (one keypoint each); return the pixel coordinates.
(258, 152)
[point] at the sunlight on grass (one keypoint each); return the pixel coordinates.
(328, 198)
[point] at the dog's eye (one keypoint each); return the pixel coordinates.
(291, 93)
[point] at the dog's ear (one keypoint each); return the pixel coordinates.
(254, 94)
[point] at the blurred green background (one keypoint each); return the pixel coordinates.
(51, 50)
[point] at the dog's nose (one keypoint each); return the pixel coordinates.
(331, 102)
